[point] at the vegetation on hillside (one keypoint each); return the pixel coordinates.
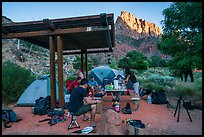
(15, 80)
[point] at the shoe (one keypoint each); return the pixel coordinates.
(87, 130)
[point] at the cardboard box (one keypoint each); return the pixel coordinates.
(99, 108)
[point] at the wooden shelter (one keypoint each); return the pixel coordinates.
(65, 36)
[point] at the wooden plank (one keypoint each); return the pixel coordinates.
(52, 72)
(56, 32)
(60, 71)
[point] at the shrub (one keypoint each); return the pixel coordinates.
(188, 89)
(15, 80)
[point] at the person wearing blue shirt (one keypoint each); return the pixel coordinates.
(94, 84)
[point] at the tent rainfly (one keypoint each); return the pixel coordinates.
(38, 88)
(101, 72)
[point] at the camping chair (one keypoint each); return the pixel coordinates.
(73, 121)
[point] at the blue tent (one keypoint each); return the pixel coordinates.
(101, 72)
(38, 88)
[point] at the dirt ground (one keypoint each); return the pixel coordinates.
(159, 120)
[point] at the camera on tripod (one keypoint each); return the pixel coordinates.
(178, 108)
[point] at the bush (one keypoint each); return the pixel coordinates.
(14, 81)
(153, 86)
(188, 89)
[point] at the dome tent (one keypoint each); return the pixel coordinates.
(38, 88)
(101, 72)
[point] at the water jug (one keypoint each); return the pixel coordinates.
(115, 84)
(149, 99)
(67, 96)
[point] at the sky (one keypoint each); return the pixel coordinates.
(33, 11)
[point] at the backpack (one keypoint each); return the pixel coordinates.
(8, 115)
(127, 109)
(159, 98)
(42, 105)
(56, 114)
(136, 123)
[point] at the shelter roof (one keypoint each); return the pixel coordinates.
(89, 34)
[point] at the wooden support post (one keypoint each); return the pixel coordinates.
(86, 64)
(60, 71)
(82, 62)
(52, 72)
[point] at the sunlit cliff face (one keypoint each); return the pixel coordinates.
(138, 26)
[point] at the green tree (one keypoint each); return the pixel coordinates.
(134, 60)
(157, 61)
(113, 64)
(182, 34)
(77, 63)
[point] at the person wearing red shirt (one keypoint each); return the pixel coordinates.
(74, 84)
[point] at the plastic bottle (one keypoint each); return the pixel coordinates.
(90, 94)
(149, 99)
(117, 106)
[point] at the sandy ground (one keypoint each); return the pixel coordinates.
(159, 120)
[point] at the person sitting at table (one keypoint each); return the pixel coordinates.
(94, 84)
(95, 87)
(80, 103)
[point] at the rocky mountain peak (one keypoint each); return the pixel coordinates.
(137, 28)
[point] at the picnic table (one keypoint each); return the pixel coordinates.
(118, 93)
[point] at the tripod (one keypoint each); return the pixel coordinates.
(178, 107)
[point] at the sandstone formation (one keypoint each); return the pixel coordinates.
(132, 33)
(136, 28)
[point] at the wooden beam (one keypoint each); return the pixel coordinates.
(86, 64)
(52, 72)
(108, 39)
(56, 32)
(103, 19)
(49, 24)
(104, 23)
(75, 19)
(4, 30)
(60, 71)
(82, 62)
(92, 51)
